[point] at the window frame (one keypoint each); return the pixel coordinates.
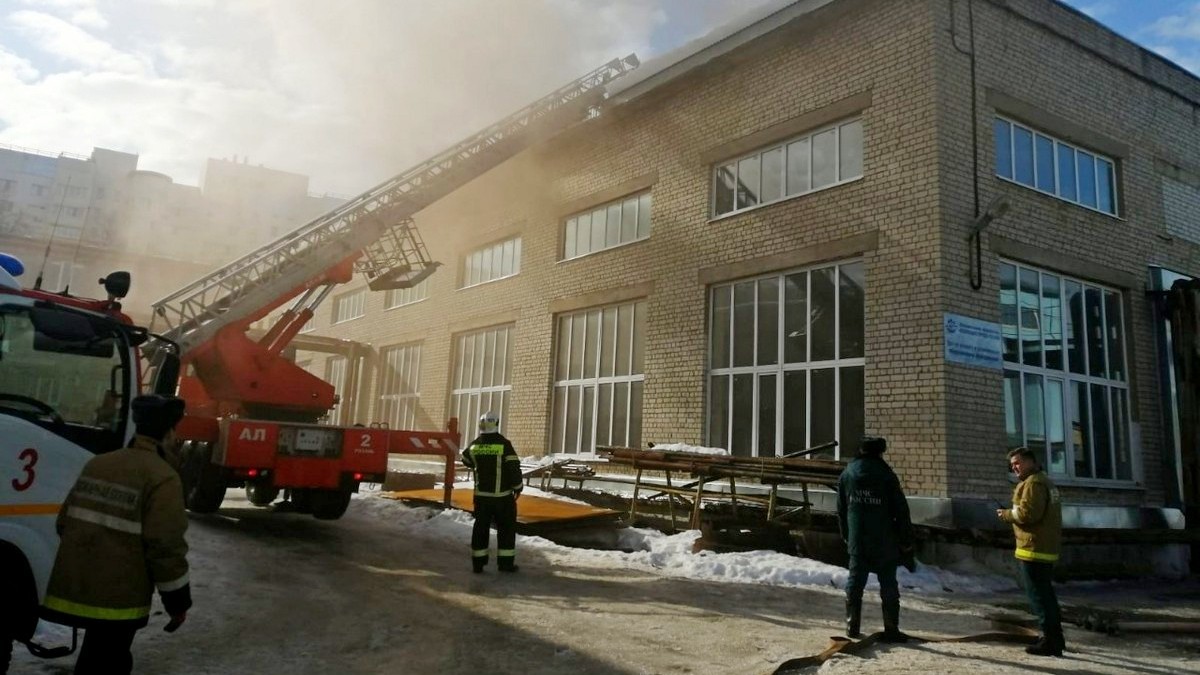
(420, 293)
(496, 250)
(359, 295)
(1069, 379)
(465, 402)
(400, 408)
(736, 162)
(1057, 142)
(570, 222)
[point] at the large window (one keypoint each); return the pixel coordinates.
(400, 385)
(786, 362)
(607, 225)
(335, 374)
(482, 377)
(398, 297)
(598, 378)
(492, 262)
(1066, 390)
(817, 160)
(1042, 162)
(350, 306)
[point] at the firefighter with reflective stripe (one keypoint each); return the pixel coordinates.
(122, 528)
(497, 486)
(1036, 517)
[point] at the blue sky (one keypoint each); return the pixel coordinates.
(349, 97)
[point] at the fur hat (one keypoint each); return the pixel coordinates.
(873, 445)
(155, 415)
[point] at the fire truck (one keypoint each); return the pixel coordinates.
(252, 415)
(69, 368)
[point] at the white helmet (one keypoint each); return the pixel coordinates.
(489, 423)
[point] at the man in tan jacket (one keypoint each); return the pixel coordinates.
(122, 529)
(1036, 517)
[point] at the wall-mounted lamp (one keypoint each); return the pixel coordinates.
(995, 209)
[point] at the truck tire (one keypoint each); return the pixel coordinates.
(261, 494)
(330, 504)
(18, 596)
(203, 483)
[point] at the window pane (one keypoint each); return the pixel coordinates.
(824, 294)
(1116, 341)
(772, 175)
(851, 145)
(583, 241)
(850, 311)
(578, 330)
(560, 419)
(639, 339)
(603, 414)
(823, 423)
(723, 190)
(591, 345)
(1044, 152)
(1003, 136)
(625, 339)
(852, 411)
(635, 414)
(1055, 433)
(468, 360)
(795, 411)
(795, 318)
(485, 273)
(587, 423)
(1076, 350)
(498, 261)
(620, 433)
(480, 360)
(599, 229)
(509, 249)
(718, 412)
(1121, 434)
(1095, 333)
(743, 415)
(1052, 318)
(766, 416)
(748, 182)
(613, 236)
(489, 359)
(743, 324)
(608, 344)
(1100, 434)
(1013, 417)
(824, 160)
(1106, 184)
(768, 321)
(1087, 178)
(572, 440)
(517, 256)
(629, 219)
(502, 357)
(1022, 155)
(797, 167)
(1066, 173)
(569, 238)
(1031, 339)
(1008, 311)
(1035, 421)
(1081, 430)
(643, 228)
(508, 357)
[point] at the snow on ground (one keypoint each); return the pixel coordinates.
(683, 447)
(671, 555)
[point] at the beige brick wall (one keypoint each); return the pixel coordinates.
(944, 423)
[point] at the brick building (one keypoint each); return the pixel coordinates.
(764, 244)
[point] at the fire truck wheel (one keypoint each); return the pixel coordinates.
(203, 484)
(260, 494)
(329, 504)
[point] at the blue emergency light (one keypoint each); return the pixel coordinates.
(11, 264)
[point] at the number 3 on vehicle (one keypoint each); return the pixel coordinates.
(30, 457)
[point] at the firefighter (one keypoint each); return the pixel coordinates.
(122, 528)
(1036, 518)
(497, 486)
(874, 522)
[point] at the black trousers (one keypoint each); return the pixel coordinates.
(106, 651)
(885, 571)
(1037, 578)
(502, 511)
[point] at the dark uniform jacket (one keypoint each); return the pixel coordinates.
(872, 512)
(496, 464)
(122, 528)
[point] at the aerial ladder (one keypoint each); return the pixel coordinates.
(252, 412)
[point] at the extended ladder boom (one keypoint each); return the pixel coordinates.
(375, 229)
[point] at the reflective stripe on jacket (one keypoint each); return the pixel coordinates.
(122, 528)
(1036, 517)
(496, 464)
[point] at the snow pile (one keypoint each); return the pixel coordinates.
(671, 555)
(683, 447)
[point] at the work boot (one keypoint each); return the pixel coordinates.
(891, 624)
(508, 566)
(853, 618)
(477, 565)
(1046, 646)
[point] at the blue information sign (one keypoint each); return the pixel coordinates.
(972, 342)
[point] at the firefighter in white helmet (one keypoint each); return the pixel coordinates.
(497, 486)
